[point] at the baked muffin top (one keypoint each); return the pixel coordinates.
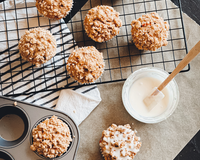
(149, 32)
(54, 9)
(102, 23)
(37, 46)
(85, 64)
(51, 138)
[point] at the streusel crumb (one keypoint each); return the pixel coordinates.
(51, 138)
(37, 46)
(54, 9)
(149, 32)
(85, 64)
(119, 143)
(102, 23)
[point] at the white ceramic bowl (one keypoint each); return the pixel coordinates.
(158, 74)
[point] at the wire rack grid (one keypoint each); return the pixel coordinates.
(120, 55)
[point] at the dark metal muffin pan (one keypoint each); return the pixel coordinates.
(32, 115)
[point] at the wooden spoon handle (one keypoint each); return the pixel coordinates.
(186, 60)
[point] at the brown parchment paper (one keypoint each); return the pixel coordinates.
(162, 141)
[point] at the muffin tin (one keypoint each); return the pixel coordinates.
(32, 115)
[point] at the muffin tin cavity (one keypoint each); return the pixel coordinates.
(71, 131)
(28, 116)
(12, 119)
(5, 156)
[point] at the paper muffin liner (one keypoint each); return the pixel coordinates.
(103, 156)
(101, 149)
(101, 152)
(95, 79)
(57, 18)
(103, 41)
(92, 38)
(88, 82)
(69, 10)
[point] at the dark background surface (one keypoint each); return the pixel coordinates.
(191, 8)
(192, 150)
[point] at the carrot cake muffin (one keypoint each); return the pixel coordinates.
(85, 64)
(51, 138)
(119, 143)
(37, 46)
(54, 9)
(102, 23)
(149, 32)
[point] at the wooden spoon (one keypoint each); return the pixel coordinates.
(154, 98)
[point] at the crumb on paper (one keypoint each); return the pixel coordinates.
(15, 103)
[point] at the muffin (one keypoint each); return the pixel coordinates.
(119, 142)
(51, 138)
(149, 32)
(85, 64)
(102, 23)
(37, 46)
(54, 9)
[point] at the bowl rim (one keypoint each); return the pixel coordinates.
(149, 120)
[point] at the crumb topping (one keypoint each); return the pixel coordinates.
(119, 143)
(54, 9)
(37, 46)
(51, 138)
(102, 23)
(85, 64)
(149, 32)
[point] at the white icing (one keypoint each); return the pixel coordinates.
(115, 140)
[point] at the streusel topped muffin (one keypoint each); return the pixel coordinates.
(54, 9)
(37, 46)
(119, 143)
(102, 23)
(51, 138)
(85, 64)
(149, 32)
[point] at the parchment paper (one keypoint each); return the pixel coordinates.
(162, 141)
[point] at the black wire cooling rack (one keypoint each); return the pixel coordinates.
(120, 55)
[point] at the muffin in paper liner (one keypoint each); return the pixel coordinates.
(37, 46)
(51, 138)
(102, 23)
(54, 9)
(119, 143)
(85, 64)
(149, 32)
